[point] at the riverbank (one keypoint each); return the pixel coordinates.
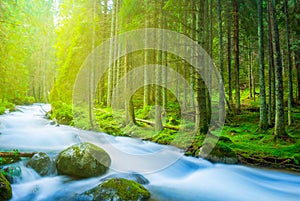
(240, 136)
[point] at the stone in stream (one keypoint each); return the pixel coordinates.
(130, 176)
(42, 163)
(12, 172)
(117, 189)
(5, 188)
(83, 160)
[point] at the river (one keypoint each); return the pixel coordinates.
(172, 176)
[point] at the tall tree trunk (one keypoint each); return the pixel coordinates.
(289, 63)
(111, 53)
(250, 74)
(271, 74)
(129, 109)
(263, 120)
(220, 32)
(158, 94)
(279, 113)
(236, 57)
(201, 120)
(229, 54)
(297, 58)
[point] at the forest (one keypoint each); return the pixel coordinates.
(253, 44)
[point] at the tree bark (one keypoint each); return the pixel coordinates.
(220, 50)
(236, 57)
(158, 93)
(271, 74)
(263, 106)
(279, 113)
(19, 154)
(229, 55)
(289, 63)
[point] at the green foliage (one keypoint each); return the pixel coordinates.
(62, 112)
(108, 122)
(6, 105)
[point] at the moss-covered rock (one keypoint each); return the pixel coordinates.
(12, 172)
(117, 189)
(83, 160)
(130, 176)
(5, 188)
(42, 163)
(221, 153)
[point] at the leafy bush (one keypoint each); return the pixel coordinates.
(62, 112)
(6, 105)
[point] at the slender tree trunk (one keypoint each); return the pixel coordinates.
(289, 63)
(263, 105)
(229, 55)
(250, 74)
(236, 57)
(146, 81)
(279, 113)
(253, 75)
(222, 95)
(158, 94)
(297, 58)
(271, 74)
(110, 70)
(129, 108)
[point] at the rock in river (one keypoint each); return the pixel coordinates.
(5, 188)
(83, 160)
(42, 163)
(117, 189)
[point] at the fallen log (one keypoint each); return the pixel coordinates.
(153, 124)
(18, 154)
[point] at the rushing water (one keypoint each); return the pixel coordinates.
(172, 176)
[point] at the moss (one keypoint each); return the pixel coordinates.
(42, 163)
(83, 160)
(119, 189)
(9, 160)
(5, 188)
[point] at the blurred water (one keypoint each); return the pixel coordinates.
(172, 176)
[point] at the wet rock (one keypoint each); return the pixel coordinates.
(42, 163)
(83, 160)
(130, 176)
(5, 188)
(12, 173)
(117, 189)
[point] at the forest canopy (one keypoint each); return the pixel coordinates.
(255, 46)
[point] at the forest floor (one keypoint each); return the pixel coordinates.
(240, 135)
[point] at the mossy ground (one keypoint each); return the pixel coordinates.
(240, 134)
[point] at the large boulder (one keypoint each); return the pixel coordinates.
(42, 163)
(5, 188)
(117, 189)
(83, 160)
